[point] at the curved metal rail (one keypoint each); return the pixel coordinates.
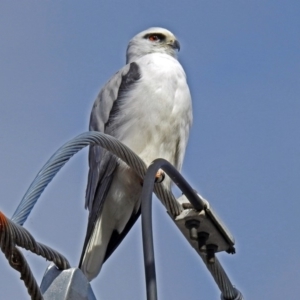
(216, 270)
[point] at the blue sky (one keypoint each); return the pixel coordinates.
(242, 62)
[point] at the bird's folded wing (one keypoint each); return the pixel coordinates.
(102, 163)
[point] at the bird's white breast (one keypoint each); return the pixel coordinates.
(156, 113)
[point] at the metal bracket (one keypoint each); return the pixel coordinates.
(204, 230)
(70, 284)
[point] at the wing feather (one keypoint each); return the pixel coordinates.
(102, 163)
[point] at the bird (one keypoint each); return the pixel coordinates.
(147, 106)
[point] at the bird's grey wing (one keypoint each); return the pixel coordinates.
(102, 163)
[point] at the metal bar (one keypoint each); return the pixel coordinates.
(148, 248)
(182, 184)
(216, 270)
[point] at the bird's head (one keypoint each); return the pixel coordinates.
(152, 40)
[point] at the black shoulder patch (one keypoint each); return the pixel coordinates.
(130, 78)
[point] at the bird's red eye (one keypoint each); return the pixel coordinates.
(153, 38)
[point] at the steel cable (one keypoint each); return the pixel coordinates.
(15, 257)
(62, 155)
(221, 279)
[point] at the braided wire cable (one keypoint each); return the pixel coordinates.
(221, 278)
(16, 259)
(64, 153)
(25, 240)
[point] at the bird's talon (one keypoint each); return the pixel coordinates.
(160, 176)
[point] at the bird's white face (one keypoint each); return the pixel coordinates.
(152, 40)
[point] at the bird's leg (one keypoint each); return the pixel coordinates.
(159, 177)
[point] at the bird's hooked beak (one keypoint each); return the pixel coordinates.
(175, 45)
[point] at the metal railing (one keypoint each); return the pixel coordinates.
(12, 234)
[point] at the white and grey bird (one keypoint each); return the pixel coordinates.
(147, 106)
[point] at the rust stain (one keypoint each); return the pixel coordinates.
(3, 221)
